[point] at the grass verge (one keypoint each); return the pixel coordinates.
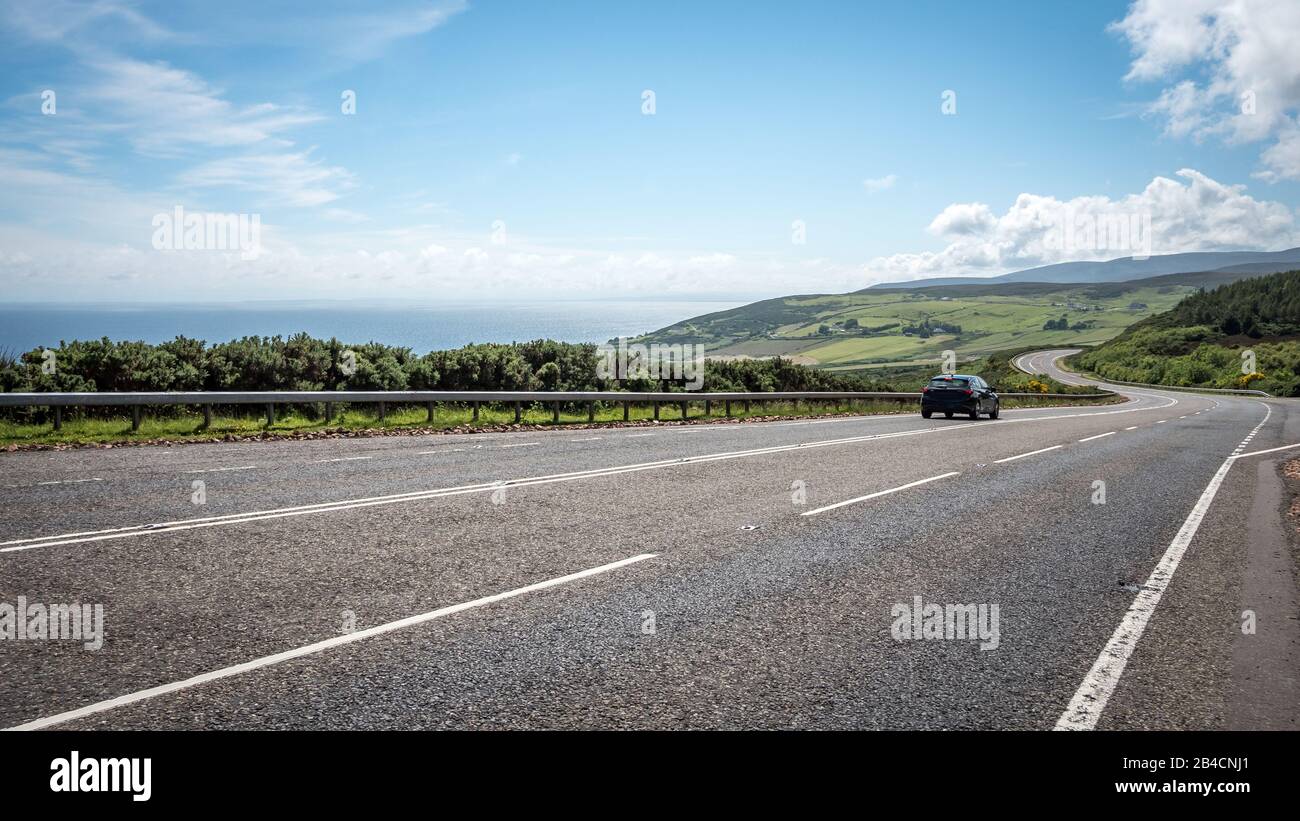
(177, 427)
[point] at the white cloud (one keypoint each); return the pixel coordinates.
(963, 218)
(54, 21)
(880, 183)
(286, 178)
(364, 36)
(164, 110)
(1245, 68)
(332, 30)
(1194, 214)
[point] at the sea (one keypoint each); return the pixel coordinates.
(423, 328)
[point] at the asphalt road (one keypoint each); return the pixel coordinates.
(710, 576)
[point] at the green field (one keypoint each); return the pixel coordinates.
(819, 330)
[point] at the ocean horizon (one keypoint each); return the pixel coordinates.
(423, 328)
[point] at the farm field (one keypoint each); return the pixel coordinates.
(878, 327)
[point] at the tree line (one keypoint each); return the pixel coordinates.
(1255, 307)
(304, 363)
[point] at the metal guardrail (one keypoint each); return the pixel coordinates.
(1237, 391)
(269, 399)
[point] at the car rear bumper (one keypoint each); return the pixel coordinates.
(963, 405)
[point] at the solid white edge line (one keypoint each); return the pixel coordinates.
(1098, 436)
(878, 493)
(1085, 708)
(1023, 455)
(327, 644)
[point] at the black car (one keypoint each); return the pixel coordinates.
(959, 393)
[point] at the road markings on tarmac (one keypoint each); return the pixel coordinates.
(317, 647)
(328, 507)
(520, 445)
(342, 459)
(1098, 436)
(220, 470)
(1023, 455)
(1134, 427)
(1262, 452)
(81, 537)
(56, 482)
(879, 493)
(1085, 709)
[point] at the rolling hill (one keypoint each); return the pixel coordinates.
(880, 327)
(1242, 335)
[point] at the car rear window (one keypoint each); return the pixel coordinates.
(953, 382)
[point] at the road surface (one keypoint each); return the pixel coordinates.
(710, 576)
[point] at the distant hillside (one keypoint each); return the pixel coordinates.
(1212, 339)
(1127, 268)
(888, 326)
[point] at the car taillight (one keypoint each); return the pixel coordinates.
(925, 390)
(968, 391)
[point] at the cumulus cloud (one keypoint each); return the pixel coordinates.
(1232, 69)
(1193, 213)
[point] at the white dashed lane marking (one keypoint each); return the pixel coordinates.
(55, 482)
(1098, 436)
(1023, 455)
(220, 470)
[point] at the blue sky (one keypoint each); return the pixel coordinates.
(501, 149)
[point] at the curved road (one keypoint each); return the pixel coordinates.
(1089, 567)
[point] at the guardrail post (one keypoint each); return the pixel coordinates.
(270, 414)
(428, 408)
(517, 413)
(476, 411)
(746, 407)
(135, 418)
(708, 408)
(383, 411)
(626, 410)
(656, 410)
(591, 411)
(207, 416)
(329, 412)
(683, 411)
(728, 408)
(58, 417)
(555, 412)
